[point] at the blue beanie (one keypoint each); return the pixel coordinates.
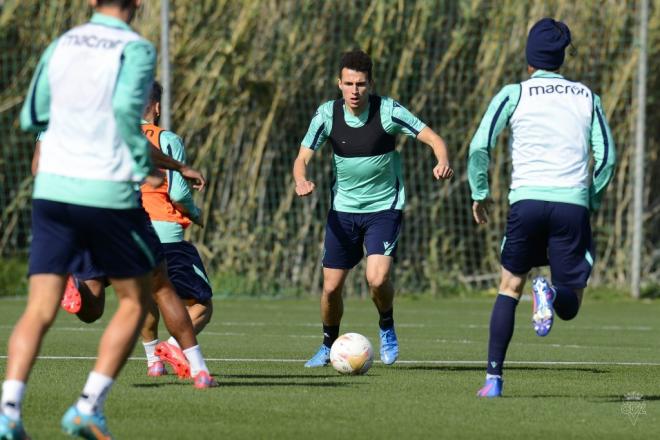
(546, 43)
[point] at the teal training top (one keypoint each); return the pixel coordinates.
(372, 183)
(178, 189)
(497, 116)
(133, 82)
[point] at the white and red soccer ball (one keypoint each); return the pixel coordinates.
(352, 353)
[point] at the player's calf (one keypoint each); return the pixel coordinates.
(200, 313)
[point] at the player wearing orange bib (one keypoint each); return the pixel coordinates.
(171, 210)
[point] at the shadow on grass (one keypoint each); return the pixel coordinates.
(277, 376)
(287, 384)
(508, 368)
(621, 398)
(591, 399)
(252, 384)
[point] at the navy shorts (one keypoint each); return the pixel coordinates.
(87, 271)
(539, 233)
(120, 243)
(347, 234)
(186, 271)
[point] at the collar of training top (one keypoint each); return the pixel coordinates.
(545, 74)
(107, 20)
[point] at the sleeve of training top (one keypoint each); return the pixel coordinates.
(496, 118)
(602, 146)
(319, 127)
(178, 188)
(133, 84)
(400, 119)
(35, 113)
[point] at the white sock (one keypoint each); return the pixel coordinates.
(173, 341)
(94, 394)
(196, 360)
(150, 351)
(12, 398)
(493, 376)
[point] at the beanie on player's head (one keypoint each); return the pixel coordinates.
(546, 43)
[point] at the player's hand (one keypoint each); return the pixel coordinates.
(480, 211)
(195, 177)
(443, 171)
(304, 188)
(155, 178)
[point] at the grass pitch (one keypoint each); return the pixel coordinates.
(571, 384)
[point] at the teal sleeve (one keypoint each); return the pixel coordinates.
(320, 127)
(602, 146)
(178, 188)
(397, 119)
(35, 113)
(496, 118)
(133, 85)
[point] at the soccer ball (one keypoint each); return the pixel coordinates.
(351, 354)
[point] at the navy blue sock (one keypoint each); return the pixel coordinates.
(330, 334)
(501, 330)
(386, 319)
(566, 303)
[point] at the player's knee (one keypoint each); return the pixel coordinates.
(92, 307)
(40, 316)
(567, 315)
(512, 283)
(377, 280)
(567, 302)
(91, 314)
(208, 312)
(332, 289)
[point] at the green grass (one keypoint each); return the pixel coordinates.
(582, 398)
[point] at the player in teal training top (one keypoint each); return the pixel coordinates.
(368, 194)
(88, 92)
(555, 123)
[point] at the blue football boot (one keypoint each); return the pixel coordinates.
(389, 346)
(92, 427)
(11, 429)
(492, 388)
(320, 359)
(542, 313)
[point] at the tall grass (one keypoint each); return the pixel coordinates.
(248, 76)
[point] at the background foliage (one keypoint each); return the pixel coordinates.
(248, 76)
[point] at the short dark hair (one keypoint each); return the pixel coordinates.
(356, 60)
(156, 93)
(124, 4)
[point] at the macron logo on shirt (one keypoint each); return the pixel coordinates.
(561, 89)
(91, 41)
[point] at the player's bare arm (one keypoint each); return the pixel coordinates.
(35, 158)
(199, 220)
(442, 170)
(162, 160)
(304, 187)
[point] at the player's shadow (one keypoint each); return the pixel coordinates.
(620, 398)
(161, 384)
(270, 383)
(276, 376)
(228, 380)
(508, 368)
(592, 399)
(287, 384)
